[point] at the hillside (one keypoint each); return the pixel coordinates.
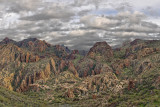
(9, 99)
(34, 72)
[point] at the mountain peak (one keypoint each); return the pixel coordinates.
(34, 44)
(103, 44)
(30, 39)
(101, 49)
(6, 40)
(136, 41)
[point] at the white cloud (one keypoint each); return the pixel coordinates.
(9, 20)
(80, 32)
(97, 21)
(142, 4)
(74, 22)
(153, 20)
(130, 34)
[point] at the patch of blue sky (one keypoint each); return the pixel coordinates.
(104, 12)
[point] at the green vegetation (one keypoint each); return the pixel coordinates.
(142, 98)
(13, 99)
(119, 54)
(126, 73)
(78, 58)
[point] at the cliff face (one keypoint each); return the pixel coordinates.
(23, 75)
(23, 81)
(20, 68)
(11, 53)
(65, 65)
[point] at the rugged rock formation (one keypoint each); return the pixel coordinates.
(11, 53)
(18, 74)
(7, 41)
(35, 65)
(70, 93)
(67, 65)
(141, 48)
(41, 72)
(61, 51)
(34, 44)
(87, 67)
(73, 54)
(105, 82)
(131, 84)
(28, 57)
(101, 51)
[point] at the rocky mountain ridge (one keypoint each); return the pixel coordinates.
(66, 76)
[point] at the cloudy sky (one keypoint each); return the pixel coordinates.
(78, 24)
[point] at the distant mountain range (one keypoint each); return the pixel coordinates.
(53, 75)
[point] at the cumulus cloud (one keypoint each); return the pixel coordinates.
(50, 13)
(97, 21)
(122, 22)
(79, 24)
(78, 32)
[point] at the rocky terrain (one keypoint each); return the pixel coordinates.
(54, 75)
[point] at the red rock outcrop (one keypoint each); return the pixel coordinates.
(70, 93)
(67, 65)
(27, 57)
(131, 84)
(23, 82)
(11, 53)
